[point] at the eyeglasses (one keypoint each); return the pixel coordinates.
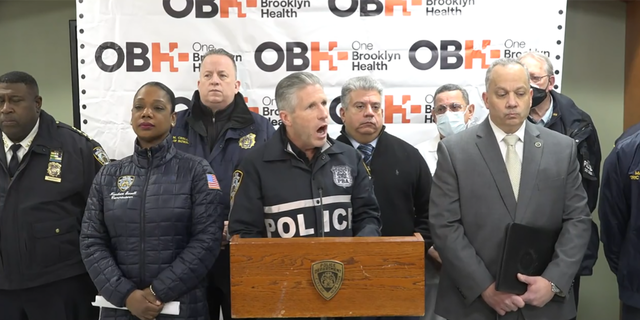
(538, 79)
(453, 107)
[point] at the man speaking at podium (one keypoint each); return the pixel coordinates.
(301, 182)
(522, 173)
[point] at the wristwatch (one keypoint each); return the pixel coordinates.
(556, 290)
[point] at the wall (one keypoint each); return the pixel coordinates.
(593, 77)
(35, 39)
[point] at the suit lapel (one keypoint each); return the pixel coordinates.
(531, 156)
(490, 151)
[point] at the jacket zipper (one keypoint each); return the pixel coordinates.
(142, 220)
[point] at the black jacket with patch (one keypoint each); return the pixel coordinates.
(570, 120)
(276, 193)
(42, 207)
(153, 218)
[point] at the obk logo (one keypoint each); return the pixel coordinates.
(206, 9)
(450, 56)
(371, 8)
(413, 113)
(298, 56)
(137, 57)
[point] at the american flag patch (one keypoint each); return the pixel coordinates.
(213, 182)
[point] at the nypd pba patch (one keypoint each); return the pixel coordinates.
(125, 182)
(342, 176)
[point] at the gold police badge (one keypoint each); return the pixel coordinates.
(54, 169)
(327, 276)
(53, 172)
(248, 141)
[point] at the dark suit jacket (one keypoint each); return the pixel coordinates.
(402, 184)
(472, 202)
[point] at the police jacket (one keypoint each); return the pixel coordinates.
(42, 207)
(570, 120)
(153, 219)
(245, 131)
(402, 182)
(619, 212)
(277, 194)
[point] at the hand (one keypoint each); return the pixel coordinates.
(538, 290)
(502, 302)
(434, 254)
(139, 304)
(225, 234)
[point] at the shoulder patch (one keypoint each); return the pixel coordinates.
(72, 128)
(101, 156)
(235, 183)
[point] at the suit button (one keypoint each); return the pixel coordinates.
(57, 230)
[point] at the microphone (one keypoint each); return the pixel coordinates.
(319, 182)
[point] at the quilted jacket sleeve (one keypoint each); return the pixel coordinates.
(193, 263)
(96, 254)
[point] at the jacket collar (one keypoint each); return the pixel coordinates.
(279, 147)
(240, 116)
(344, 137)
(156, 155)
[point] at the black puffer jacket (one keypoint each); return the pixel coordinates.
(154, 218)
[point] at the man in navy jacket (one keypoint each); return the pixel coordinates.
(220, 127)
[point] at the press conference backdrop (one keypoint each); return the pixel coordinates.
(411, 46)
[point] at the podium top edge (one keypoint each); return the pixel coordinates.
(415, 238)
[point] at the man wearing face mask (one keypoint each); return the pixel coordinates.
(452, 113)
(559, 113)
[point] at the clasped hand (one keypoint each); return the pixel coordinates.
(144, 305)
(538, 294)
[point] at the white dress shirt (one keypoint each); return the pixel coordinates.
(503, 145)
(26, 143)
(429, 151)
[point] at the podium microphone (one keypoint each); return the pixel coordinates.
(319, 180)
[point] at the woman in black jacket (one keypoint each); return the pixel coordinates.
(153, 225)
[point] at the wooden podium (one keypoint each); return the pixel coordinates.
(354, 277)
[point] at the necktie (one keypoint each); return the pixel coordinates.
(14, 163)
(514, 167)
(367, 151)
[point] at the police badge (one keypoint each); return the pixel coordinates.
(248, 141)
(54, 169)
(125, 182)
(342, 176)
(327, 276)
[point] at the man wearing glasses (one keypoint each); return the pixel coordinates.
(559, 113)
(452, 113)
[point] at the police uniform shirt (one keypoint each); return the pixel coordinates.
(25, 143)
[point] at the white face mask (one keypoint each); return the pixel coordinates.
(451, 123)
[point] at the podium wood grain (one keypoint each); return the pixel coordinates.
(383, 276)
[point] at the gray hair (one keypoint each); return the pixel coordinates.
(542, 58)
(289, 86)
(452, 87)
(366, 83)
(221, 52)
(504, 62)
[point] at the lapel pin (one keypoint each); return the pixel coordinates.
(538, 144)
